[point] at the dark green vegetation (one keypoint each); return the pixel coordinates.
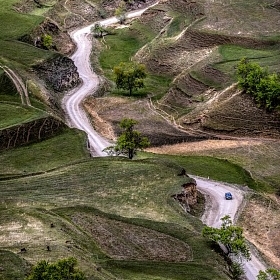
(115, 215)
(12, 266)
(13, 27)
(122, 46)
(47, 187)
(62, 269)
(130, 76)
(230, 236)
(13, 113)
(269, 274)
(264, 87)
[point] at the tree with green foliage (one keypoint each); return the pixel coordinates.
(47, 41)
(120, 12)
(129, 142)
(229, 235)
(264, 87)
(237, 270)
(269, 274)
(61, 270)
(268, 92)
(130, 76)
(249, 75)
(98, 30)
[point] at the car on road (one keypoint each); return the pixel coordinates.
(228, 196)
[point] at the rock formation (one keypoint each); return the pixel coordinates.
(188, 195)
(59, 73)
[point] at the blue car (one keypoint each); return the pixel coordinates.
(228, 196)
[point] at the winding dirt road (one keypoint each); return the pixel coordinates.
(216, 207)
(72, 102)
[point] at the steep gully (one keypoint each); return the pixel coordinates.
(216, 206)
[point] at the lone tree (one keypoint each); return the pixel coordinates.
(120, 12)
(229, 235)
(63, 269)
(98, 30)
(129, 142)
(130, 76)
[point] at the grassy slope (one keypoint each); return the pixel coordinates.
(122, 46)
(65, 148)
(15, 25)
(227, 57)
(135, 189)
(138, 190)
(231, 55)
(19, 57)
(20, 114)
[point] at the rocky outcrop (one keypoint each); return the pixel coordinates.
(27, 133)
(189, 191)
(59, 73)
(60, 38)
(188, 196)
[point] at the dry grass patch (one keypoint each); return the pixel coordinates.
(107, 112)
(245, 18)
(202, 146)
(261, 224)
(124, 241)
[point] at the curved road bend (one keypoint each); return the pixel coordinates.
(90, 82)
(217, 207)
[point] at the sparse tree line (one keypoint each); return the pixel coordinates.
(264, 87)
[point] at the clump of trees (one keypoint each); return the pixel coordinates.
(63, 269)
(229, 235)
(129, 142)
(269, 274)
(98, 30)
(232, 238)
(130, 76)
(255, 80)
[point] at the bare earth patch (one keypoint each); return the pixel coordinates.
(261, 224)
(107, 112)
(207, 145)
(124, 241)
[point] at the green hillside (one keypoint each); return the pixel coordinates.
(116, 216)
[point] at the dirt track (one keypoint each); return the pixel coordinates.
(90, 82)
(217, 207)
(214, 191)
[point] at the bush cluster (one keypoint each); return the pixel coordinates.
(255, 80)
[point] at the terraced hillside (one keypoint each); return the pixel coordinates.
(194, 47)
(117, 216)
